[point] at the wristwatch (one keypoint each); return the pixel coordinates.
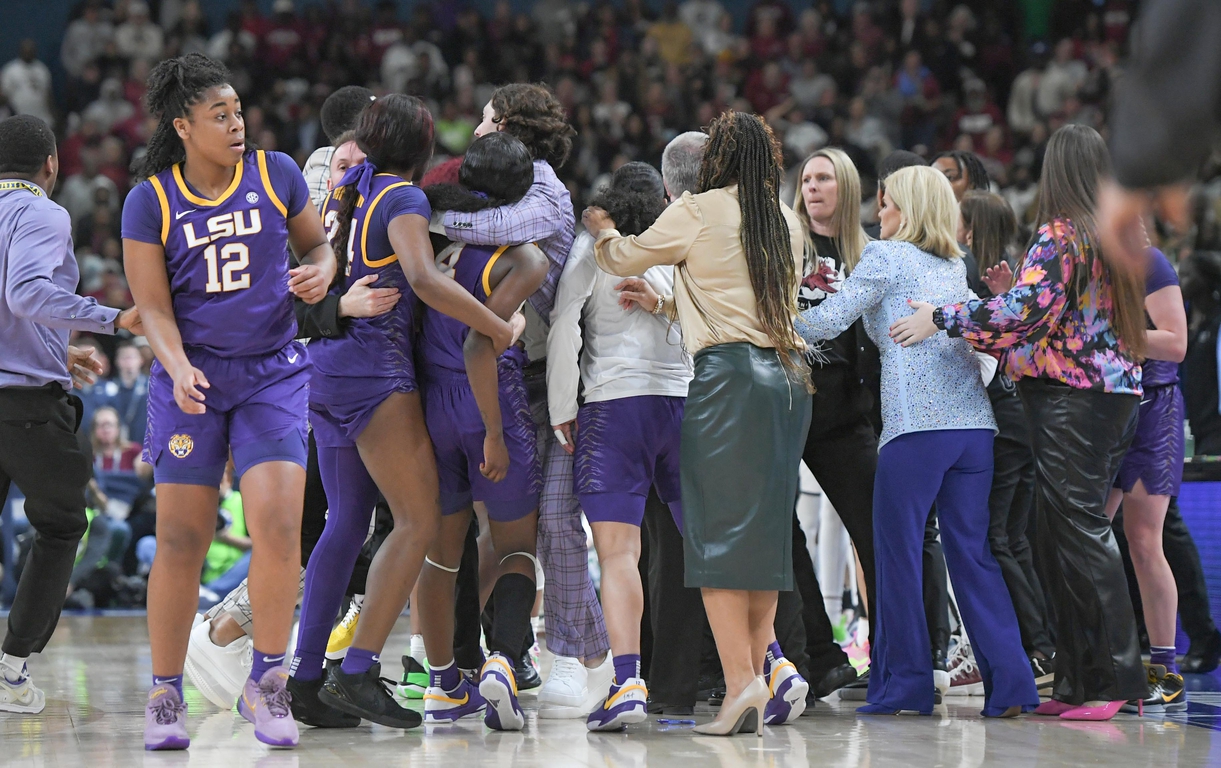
(939, 318)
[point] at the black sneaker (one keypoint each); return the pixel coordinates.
(1167, 692)
(415, 679)
(856, 691)
(367, 696)
(526, 674)
(1044, 673)
(838, 677)
(309, 709)
(1203, 658)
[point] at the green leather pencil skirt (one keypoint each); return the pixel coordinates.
(744, 427)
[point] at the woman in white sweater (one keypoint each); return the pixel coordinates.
(626, 434)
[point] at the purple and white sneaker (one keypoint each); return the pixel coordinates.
(165, 720)
(625, 705)
(441, 706)
(498, 687)
(789, 691)
(268, 705)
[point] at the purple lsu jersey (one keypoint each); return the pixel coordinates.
(441, 336)
(375, 347)
(226, 259)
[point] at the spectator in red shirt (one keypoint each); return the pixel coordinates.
(767, 44)
(385, 32)
(283, 42)
(977, 115)
(767, 87)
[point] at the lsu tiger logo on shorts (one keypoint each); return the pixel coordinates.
(181, 446)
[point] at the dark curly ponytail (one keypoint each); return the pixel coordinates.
(174, 86)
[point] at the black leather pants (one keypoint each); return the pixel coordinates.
(1079, 438)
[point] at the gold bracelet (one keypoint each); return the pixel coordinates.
(661, 304)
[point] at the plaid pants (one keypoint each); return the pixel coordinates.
(575, 627)
(237, 605)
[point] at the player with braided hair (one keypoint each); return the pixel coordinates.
(964, 169)
(205, 243)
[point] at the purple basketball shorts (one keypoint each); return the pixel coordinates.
(341, 408)
(623, 447)
(255, 407)
(457, 432)
(1156, 455)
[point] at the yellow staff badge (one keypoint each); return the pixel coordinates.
(181, 446)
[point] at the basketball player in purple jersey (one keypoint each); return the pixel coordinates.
(205, 241)
(484, 438)
(365, 409)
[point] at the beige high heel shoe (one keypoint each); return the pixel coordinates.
(742, 713)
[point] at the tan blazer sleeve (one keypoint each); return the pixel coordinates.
(666, 242)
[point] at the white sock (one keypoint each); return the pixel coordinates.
(417, 651)
(12, 666)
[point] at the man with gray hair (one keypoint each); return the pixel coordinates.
(680, 162)
(677, 613)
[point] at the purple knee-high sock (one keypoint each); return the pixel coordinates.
(351, 495)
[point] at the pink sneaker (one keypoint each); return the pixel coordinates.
(268, 705)
(165, 720)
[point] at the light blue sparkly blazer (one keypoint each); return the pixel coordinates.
(932, 385)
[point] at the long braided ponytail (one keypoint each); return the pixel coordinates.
(742, 149)
(174, 86)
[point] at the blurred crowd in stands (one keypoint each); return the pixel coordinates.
(994, 78)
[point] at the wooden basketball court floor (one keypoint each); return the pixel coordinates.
(96, 671)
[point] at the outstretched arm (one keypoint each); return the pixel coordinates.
(409, 238)
(862, 289)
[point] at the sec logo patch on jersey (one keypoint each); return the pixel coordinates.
(252, 197)
(181, 446)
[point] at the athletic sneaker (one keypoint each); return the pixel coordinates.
(341, 636)
(218, 671)
(20, 695)
(165, 720)
(1044, 672)
(268, 705)
(499, 687)
(965, 676)
(624, 705)
(414, 684)
(788, 689)
(565, 690)
(309, 709)
(442, 706)
(1166, 692)
(368, 696)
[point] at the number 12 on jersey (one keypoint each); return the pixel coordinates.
(225, 277)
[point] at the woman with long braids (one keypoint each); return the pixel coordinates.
(736, 251)
(1072, 329)
(205, 246)
(366, 414)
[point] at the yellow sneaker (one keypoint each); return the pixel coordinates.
(341, 636)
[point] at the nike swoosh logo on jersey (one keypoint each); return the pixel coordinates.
(180, 214)
(292, 358)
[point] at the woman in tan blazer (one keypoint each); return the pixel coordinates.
(736, 251)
